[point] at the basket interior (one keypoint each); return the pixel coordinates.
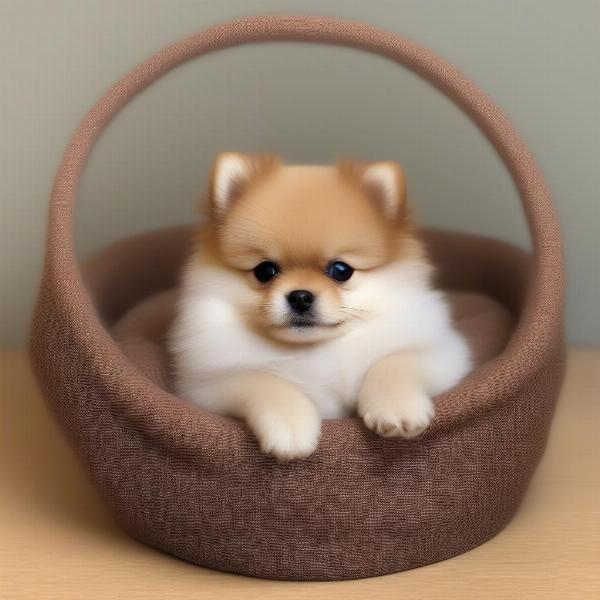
(134, 285)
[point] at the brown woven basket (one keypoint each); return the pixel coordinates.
(194, 484)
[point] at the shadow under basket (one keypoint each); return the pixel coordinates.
(195, 484)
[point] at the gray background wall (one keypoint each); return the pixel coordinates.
(540, 61)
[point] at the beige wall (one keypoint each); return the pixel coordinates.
(538, 60)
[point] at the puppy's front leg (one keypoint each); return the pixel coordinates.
(393, 400)
(286, 423)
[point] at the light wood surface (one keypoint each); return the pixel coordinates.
(58, 541)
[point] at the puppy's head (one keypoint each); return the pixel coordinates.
(308, 246)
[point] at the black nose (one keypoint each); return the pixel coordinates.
(300, 301)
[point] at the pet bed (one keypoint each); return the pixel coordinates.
(194, 484)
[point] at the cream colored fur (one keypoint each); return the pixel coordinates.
(383, 345)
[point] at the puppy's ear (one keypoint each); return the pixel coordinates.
(232, 174)
(383, 182)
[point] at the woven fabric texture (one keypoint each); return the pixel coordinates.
(195, 485)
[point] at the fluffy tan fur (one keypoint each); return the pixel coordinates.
(379, 344)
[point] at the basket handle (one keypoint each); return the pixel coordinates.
(534, 194)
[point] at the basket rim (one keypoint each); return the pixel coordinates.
(536, 335)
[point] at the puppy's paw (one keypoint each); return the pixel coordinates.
(406, 416)
(288, 438)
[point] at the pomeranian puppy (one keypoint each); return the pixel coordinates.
(308, 295)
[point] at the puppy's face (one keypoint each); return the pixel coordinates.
(308, 246)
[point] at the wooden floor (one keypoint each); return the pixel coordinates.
(58, 541)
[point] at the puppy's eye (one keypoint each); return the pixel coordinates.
(265, 271)
(338, 270)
